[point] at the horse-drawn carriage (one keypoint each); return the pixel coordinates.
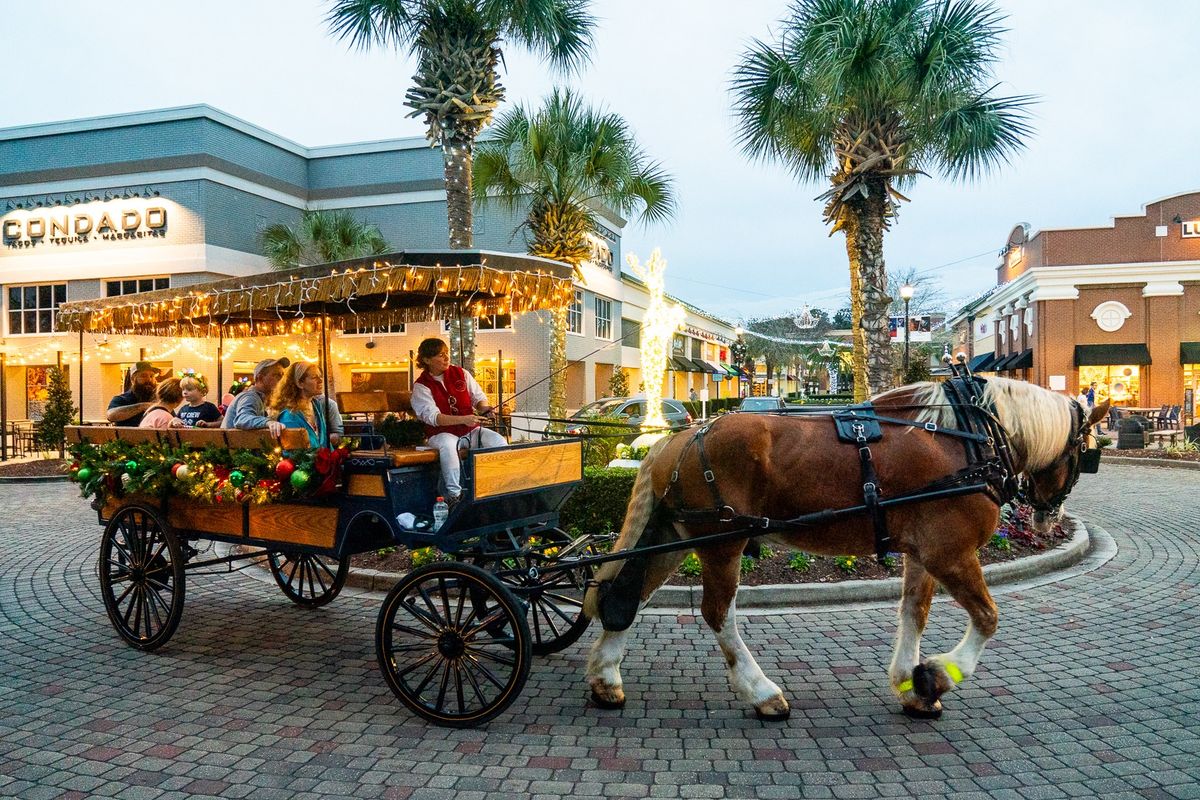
(454, 639)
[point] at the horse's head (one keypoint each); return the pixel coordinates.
(1046, 487)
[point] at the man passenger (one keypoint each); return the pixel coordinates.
(248, 411)
(127, 409)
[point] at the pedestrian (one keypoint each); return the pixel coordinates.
(127, 409)
(248, 411)
(695, 398)
(297, 402)
(196, 411)
(452, 405)
(161, 414)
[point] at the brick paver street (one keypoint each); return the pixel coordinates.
(1091, 688)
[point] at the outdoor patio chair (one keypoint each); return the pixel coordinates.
(1168, 418)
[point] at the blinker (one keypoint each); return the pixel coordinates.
(1089, 460)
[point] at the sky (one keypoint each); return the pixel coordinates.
(1116, 120)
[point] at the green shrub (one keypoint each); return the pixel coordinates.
(426, 555)
(846, 563)
(748, 564)
(402, 432)
(1000, 541)
(800, 562)
(1103, 441)
(765, 552)
(598, 506)
(891, 560)
(386, 551)
(690, 565)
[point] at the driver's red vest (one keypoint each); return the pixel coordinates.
(454, 382)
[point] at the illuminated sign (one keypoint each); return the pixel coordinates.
(22, 230)
(1191, 229)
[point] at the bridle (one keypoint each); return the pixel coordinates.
(1080, 459)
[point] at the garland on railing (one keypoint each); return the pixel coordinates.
(212, 475)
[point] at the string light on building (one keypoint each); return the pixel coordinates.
(659, 325)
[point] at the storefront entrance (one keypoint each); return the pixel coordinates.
(1121, 384)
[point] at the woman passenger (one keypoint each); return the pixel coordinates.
(168, 396)
(298, 403)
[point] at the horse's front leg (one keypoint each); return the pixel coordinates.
(720, 574)
(913, 614)
(604, 669)
(941, 673)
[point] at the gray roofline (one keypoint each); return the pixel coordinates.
(205, 111)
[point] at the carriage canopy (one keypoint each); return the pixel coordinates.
(378, 290)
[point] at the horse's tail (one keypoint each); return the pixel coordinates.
(637, 519)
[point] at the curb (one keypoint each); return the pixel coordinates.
(812, 594)
(34, 478)
(1169, 463)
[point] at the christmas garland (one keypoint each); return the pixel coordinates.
(211, 475)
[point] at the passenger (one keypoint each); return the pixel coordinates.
(126, 409)
(196, 412)
(248, 411)
(453, 406)
(298, 403)
(162, 412)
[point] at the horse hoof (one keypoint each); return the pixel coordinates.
(772, 715)
(605, 703)
(933, 711)
(925, 683)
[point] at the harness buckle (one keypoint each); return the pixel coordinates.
(674, 476)
(726, 514)
(870, 488)
(931, 427)
(765, 522)
(708, 476)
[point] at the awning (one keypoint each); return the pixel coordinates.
(982, 363)
(702, 365)
(1001, 363)
(732, 370)
(1189, 352)
(1106, 355)
(681, 364)
(1023, 360)
(716, 369)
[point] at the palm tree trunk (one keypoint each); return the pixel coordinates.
(864, 225)
(457, 156)
(558, 363)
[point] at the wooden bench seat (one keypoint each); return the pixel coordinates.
(194, 438)
(404, 457)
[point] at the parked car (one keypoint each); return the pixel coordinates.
(761, 404)
(629, 410)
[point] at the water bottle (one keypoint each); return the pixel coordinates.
(440, 512)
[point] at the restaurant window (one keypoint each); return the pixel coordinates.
(31, 309)
(631, 332)
(117, 288)
(575, 314)
(603, 318)
(494, 322)
(487, 374)
(1119, 384)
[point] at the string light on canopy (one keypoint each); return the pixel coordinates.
(659, 325)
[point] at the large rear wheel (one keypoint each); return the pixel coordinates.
(141, 577)
(309, 579)
(453, 644)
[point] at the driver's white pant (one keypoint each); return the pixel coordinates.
(447, 445)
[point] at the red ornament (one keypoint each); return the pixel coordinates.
(221, 473)
(175, 470)
(284, 469)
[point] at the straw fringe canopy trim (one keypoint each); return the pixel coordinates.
(376, 291)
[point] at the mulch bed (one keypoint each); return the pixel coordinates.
(775, 569)
(30, 469)
(1152, 453)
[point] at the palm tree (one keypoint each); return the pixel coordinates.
(868, 94)
(456, 87)
(319, 238)
(565, 162)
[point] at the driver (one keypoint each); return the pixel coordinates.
(452, 405)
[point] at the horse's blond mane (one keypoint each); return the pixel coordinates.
(1038, 421)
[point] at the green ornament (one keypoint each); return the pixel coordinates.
(237, 478)
(131, 466)
(300, 479)
(84, 474)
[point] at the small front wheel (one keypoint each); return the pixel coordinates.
(141, 577)
(453, 644)
(308, 579)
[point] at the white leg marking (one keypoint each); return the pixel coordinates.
(745, 676)
(966, 653)
(907, 652)
(604, 662)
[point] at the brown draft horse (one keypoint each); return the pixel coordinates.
(782, 467)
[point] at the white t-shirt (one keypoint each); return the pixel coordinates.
(425, 407)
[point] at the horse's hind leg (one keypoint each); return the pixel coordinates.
(720, 574)
(913, 613)
(941, 673)
(604, 661)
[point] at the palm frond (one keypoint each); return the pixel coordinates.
(982, 133)
(560, 31)
(368, 23)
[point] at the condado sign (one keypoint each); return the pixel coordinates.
(69, 227)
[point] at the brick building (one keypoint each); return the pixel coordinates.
(1118, 305)
(165, 199)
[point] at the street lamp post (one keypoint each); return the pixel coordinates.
(906, 292)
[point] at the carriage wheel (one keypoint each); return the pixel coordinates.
(308, 579)
(453, 644)
(556, 618)
(141, 577)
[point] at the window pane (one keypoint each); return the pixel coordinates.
(60, 293)
(162, 283)
(128, 287)
(14, 323)
(14, 298)
(45, 322)
(30, 321)
(112, 288)
(45, 296)
(30, 297)
(146, 285)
